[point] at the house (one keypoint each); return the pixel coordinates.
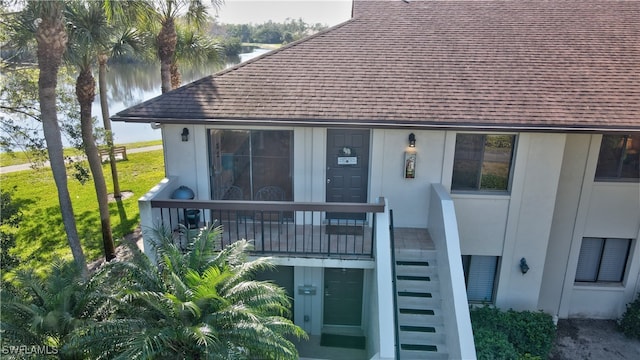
(494, 145)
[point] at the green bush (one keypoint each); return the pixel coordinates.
(630, 322)
(493, 345)
(531, 334)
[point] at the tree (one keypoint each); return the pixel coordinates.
(123, 40)
(89, 32)
(45, 311)
(165, 13)
(192, 47)
(200, 304)
(51, 39)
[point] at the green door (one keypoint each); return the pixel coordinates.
(343, 296)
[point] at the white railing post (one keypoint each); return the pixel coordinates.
(386, 310)
(443, 227)
(150, 218)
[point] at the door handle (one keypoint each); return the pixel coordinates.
(328, 181)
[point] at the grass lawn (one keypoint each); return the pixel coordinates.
(20, 157)
(41, 237)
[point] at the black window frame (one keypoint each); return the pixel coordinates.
(597, 280)
(624, 156)
(466, 263)
(458, 185)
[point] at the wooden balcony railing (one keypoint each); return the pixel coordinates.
(302, 229)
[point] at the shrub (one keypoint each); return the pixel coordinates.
(530, 334)
(493, 345)
(630, 322)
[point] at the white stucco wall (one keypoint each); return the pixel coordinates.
(513, 225)
(535, 183)
(585, 208)
(406, 196)
(308, 308)
(187, 160)
(563, 222)
(552, 205)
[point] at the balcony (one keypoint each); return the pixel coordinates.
(277, 228)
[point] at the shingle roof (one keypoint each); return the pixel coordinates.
(477, 64)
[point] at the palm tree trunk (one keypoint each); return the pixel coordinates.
(52, 40)
(167, 40)
(176, 77)
(102, 84)
(85, 91)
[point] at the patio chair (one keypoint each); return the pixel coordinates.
(271, 193)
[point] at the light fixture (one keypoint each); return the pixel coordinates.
(523, 266)
(412, 140)
(185, 134)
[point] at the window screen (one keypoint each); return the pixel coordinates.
(602, 260)
(480, 275)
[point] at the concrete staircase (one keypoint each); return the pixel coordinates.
(420, 320)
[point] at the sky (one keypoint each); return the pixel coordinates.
(329, 12)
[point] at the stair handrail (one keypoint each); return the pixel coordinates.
(393, 284)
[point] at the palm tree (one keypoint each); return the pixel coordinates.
(51, 38)
(44, 312)
(126, 41)
(192, 47)
(201, 304)
(89, 32)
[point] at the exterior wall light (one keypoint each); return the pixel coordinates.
(412, 140)
(523, 266)
(185, 134)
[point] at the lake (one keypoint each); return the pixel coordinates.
(129, 85)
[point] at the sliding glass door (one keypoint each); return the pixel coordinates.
(251, 164)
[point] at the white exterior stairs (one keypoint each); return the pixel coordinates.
(419, 310)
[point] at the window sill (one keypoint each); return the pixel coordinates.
(480, 195)
(602, 286)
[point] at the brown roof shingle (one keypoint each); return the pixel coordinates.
(477, 64)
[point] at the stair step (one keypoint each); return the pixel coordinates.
(421, 303)
(422, 329)
(421, 338)
(413, 270)
(425, 312)
(415, 294)
(414, 278)
(414, 254)
(412, 263)
(415, 347)
(420, 320)
(420, 355)
(418, 286)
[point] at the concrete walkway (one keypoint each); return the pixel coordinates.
(22, 167)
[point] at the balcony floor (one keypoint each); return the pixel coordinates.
(413, 238)
(347, 242)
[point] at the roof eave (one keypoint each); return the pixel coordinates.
(432, 125)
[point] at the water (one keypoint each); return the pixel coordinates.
(129, 85)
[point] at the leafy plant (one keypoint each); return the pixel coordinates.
(44, 311)
(492, 345)
(531, 334)
(198, 304)
(630, 322)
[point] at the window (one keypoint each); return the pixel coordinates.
(245, 161)
(602, 260)
(480, 277)
(482, 162)
(618, 159)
